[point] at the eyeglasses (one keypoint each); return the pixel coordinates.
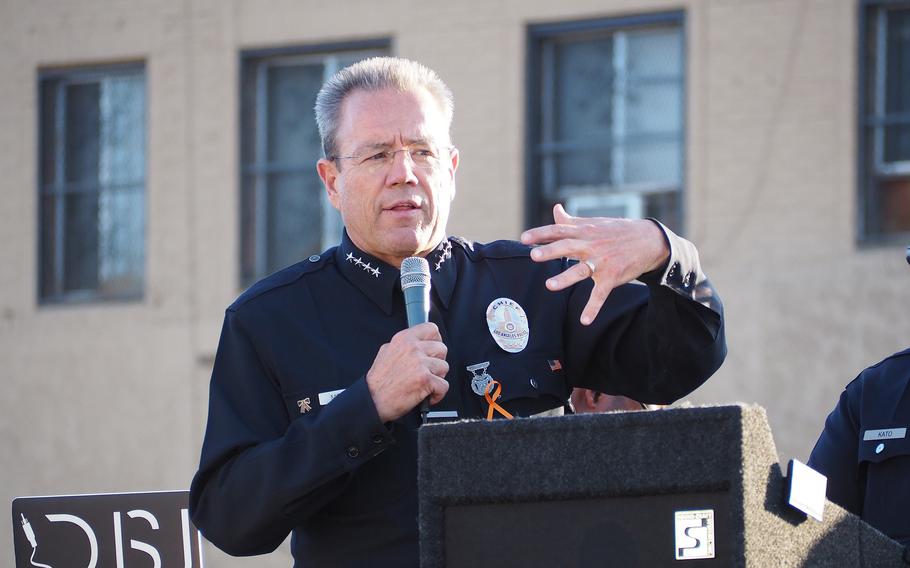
(423, 156)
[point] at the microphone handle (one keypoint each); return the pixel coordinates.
(417, 307)
(424, 410)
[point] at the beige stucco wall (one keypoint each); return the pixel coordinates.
(112, 397)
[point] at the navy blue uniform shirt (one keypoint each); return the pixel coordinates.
(864, 449)
(294, 442)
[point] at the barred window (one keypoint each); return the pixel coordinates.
(607, 118)
(92, 184)
(885, 119)
(285, 214)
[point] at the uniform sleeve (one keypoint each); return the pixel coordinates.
(835, 454)
(653, 343)
(260, 473)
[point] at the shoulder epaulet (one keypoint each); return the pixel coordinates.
(898, 355)
(462, 242)
(284, 277)
(884, 368)
(499, 249)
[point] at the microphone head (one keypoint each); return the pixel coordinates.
(415, 271)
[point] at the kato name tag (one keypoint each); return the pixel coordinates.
(886, 434)
(329, 396)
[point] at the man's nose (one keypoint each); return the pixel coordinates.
(403, 169)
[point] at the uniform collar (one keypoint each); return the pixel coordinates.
(381, 282)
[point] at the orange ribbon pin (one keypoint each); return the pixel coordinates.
(496, 388)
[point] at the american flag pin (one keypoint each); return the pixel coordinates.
(555, 365)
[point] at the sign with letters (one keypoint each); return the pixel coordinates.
(694, 534)
(115, 530)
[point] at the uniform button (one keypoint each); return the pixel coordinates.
(533, 383)
(879, 448)
(314, 258)
(353, 452)
(377, 438)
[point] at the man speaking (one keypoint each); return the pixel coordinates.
(318, 381)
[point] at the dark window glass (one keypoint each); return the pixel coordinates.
(607, 123)
(92, 184)
(285, 215)
(885, 186)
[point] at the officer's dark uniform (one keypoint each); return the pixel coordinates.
(864, 449)
(294, 442)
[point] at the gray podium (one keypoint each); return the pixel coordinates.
(683, 487)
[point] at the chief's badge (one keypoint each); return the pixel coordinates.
(508, 324)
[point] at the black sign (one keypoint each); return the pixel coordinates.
(119, 530)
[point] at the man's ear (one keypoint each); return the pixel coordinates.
(328, 173)
(453, 163)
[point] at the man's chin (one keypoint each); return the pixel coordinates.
(410, 241)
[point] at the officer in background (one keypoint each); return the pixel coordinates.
(864, 449)
(314, 397)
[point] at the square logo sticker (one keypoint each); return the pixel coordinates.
(694, 534)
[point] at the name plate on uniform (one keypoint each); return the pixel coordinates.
(885, 434)
(118, 529)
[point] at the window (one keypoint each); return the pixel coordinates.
(606, 118)
(885, 120)
(92, 184)
(285, 214)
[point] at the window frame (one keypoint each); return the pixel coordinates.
(259, 167)
(537, 35)
(869, 172)
(64, 76)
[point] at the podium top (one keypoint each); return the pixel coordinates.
(724, 452)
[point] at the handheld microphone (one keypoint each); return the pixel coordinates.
(415, 284)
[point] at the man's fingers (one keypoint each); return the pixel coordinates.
(565, 226)
(426, 331)
(564, 248)
(598, 296)
(440, 388)
(568, 277)
(436, 349)
(548, 234)
(560, 216)
(438, 367)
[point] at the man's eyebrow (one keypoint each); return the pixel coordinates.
(374, 146)
(369, 146)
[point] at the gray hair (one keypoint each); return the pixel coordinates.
(375, 74)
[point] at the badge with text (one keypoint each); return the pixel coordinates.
(479, 377)
(508, 324)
